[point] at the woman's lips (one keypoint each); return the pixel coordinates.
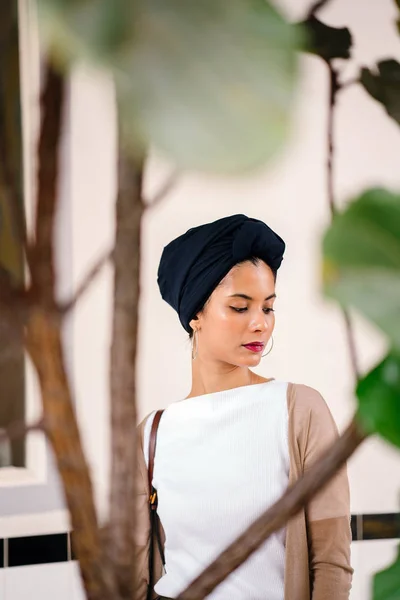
(255, 347)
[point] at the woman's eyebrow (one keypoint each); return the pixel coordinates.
(246, 297)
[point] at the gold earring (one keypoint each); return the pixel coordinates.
(270, 350)
(195, 341)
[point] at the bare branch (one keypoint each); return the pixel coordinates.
(316, 7)
(130, 210)
(87, 281)
(294, 499)
(334, 88)
(164, 189)
(351, 344)
(19, 429)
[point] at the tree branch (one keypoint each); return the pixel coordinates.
(294, 499)
(334, 88)
(87, 281)
(351, 345)
(130, 209)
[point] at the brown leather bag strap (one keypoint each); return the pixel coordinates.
(154, 518)
(152, 447)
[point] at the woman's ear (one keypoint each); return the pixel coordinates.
(194, 323)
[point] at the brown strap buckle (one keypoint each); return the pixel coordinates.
(153, 500)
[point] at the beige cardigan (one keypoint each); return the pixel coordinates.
(317, 539)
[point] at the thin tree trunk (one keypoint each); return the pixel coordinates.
(129, 212)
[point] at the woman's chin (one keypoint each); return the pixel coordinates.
(250, 361)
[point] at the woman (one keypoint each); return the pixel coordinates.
(233, 445)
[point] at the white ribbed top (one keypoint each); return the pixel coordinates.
(221, 460)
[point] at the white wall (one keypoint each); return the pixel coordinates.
(290, 195)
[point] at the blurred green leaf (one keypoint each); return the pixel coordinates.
(326, 41)
(384, 86)
(362, 259)
(211, 83)
(94, 29)
(387, 583)
(379, 399)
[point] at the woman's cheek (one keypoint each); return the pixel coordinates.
(226, 316)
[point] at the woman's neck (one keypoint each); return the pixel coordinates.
(207, 381)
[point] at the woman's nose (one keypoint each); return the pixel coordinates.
(260, 323)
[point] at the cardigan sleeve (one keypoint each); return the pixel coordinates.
(328, 513)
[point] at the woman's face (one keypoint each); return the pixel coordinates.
(239, 312)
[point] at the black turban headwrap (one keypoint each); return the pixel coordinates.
(193, 264)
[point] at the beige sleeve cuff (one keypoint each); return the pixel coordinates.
(330, 571)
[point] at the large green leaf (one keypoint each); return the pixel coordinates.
(387, 583)
(362, 259)
(379, 399)
(384, 86)
(326, 41)
(209, 83)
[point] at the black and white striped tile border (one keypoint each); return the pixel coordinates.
(54, 548)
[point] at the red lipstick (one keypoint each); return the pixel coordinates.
(255, 346)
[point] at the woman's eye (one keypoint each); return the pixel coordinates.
(240, 310)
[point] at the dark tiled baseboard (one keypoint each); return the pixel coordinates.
(37, 549)
(44, 549)
(384, 526)
(34, 550)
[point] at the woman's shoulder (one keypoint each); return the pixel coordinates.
(305, 396)
(145, 420)
(307, 406)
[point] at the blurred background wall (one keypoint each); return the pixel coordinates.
(310, 341)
